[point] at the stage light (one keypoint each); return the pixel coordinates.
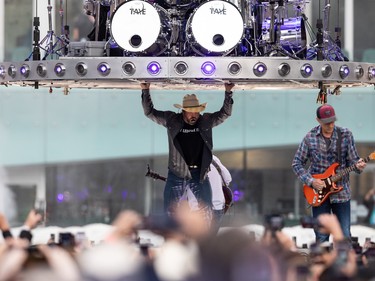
(25, 70)
(12, 71)
(359, 72)
(181, 68)
(284, 69)
(41, 70)
(59, 69)
(326, 70)
(371, 72)
(128, 68)
(81, 69)
(2, 72)
(234, 68)
(259, 69)
(153, 68)
(306, 70)
(208, 68)
(104, 69)
(344, 71)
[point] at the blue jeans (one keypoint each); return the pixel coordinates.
(342, 212)
(175, 188)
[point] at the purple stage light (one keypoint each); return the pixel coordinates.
(306, 70)
(154, 68)
(259, 69)
(25, 70)
(104, 68)
(59, 69)
(208, 68)
(371, 72)
(344, 71)
(60, 197)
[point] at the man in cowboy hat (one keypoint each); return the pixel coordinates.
(190, 146)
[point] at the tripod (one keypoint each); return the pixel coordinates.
(47, 43)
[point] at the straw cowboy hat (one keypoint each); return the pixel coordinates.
(190, 103)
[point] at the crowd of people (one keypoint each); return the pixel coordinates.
(190, 252)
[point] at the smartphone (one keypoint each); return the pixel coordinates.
(66, 240)
(274, 222)
(40, 208)
(309, 222)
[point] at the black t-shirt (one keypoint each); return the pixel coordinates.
(191, 144)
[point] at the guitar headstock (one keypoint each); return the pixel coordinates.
(150, 173)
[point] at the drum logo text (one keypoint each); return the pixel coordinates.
(137, 11)
(217, 11)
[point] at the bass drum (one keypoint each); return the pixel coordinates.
(141, 28)
(292, 35)
(214, 28)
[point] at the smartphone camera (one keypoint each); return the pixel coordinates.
(309, 222)
(342, 253)
(274, 222)
(66, 240)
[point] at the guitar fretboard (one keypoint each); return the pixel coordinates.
(347, 170)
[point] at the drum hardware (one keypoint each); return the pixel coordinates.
(324, 47)
(282, 36)
(64, 28)
(48, 40)
(97, 20)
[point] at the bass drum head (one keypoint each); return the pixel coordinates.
(136, 26)
(215, 27)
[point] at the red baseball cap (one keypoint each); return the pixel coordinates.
(326, 113)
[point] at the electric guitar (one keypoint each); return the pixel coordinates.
(228, 195)
(314, 197)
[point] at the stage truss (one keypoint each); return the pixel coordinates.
(186, 72)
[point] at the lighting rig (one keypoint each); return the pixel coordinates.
(186, 59)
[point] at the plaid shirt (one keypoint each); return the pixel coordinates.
(314, 148)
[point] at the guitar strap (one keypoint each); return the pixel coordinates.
(339, 140)
(219, 170)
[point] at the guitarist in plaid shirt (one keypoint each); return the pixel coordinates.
(320, 147)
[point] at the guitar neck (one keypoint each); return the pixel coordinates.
(347, 170)
(155, 176)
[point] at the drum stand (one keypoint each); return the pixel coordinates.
(48, 39)
(273, 47)
(324, 47)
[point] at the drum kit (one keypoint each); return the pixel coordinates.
(202, 28)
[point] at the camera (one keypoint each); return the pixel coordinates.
(66, 240)
(309, 222)
(342, 249)
(274, 222)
